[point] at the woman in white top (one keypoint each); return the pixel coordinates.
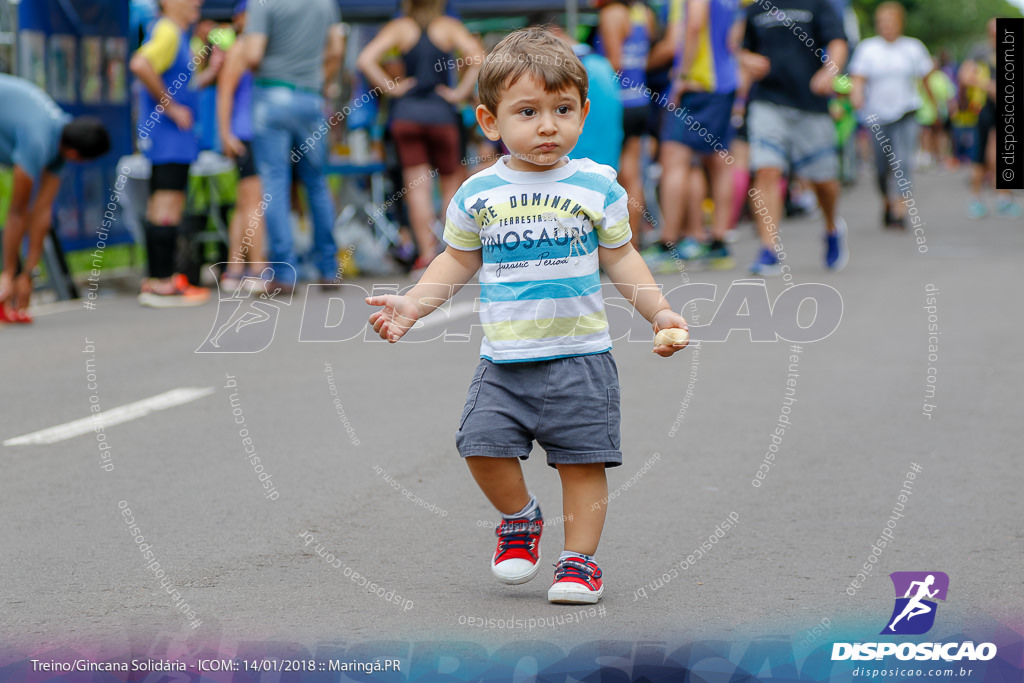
(886, 70)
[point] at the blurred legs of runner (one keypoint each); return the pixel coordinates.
(419, 199)
(902, 135)
(675, 167)
(631, 179)
(284, 123)
(246, 223)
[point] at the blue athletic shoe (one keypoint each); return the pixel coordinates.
(690, 249)
(977, 209)
(836, 254)
(1007, 208)
(766, 264)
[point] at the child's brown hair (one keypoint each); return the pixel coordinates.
(536, 51)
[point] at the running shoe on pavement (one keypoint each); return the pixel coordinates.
(174, 294)
(766, 264)
(690, 249)
(718, 256)
(13, 315)
(977, 209)
(836, 253)
(1007, 208)
(230, 283)
(577, 582)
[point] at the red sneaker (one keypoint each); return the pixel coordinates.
(13, 316)
(577, 582)
(517, 559)
(183, 285)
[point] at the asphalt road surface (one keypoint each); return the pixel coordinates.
(373, 479)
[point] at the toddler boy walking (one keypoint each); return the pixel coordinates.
(537, 225)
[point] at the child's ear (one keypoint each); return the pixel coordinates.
(586, 110)
(488, 123)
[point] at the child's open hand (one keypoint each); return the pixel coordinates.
(663, 320)
(399, 314)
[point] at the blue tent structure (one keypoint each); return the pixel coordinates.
(77, 51)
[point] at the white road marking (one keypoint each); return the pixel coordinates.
(55, 307)
(114, 416)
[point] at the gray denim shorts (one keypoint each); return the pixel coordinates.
(780, 136)
(570, 406)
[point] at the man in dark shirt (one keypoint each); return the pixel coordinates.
(793, 53)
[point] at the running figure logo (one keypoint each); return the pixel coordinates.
(914, 612)
(247, 314)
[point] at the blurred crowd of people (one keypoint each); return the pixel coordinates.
(710, 111)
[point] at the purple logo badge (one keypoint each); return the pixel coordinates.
(916, 592)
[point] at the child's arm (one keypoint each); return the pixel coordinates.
(633, 279)
(445, 276)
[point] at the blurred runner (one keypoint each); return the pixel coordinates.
(291, 47)
(934, 120)
(234, 118)
(705, 78)
(887, 70)
(977, 72)
(788, 119)
(841, 109)
(164, 64)
(624, 32)
(424, 123)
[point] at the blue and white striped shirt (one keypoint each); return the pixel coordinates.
(539, 232)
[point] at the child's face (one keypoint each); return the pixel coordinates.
(538, 127)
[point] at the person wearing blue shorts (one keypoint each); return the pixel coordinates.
(623, 36)
(705, 81)
(168, 101)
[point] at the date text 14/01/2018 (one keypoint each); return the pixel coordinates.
(298, 665)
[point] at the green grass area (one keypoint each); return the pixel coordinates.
(116, 256)
(79, 262)
(6, 182)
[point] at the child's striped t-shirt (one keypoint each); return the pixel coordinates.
(539, 233)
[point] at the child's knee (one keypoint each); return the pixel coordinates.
(583, 471)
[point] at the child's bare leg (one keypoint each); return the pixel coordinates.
(584, 499)
(501, 480)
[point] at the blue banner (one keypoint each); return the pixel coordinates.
(77, 51)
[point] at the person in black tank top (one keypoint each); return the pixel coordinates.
(423, 118)
(428, 66)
